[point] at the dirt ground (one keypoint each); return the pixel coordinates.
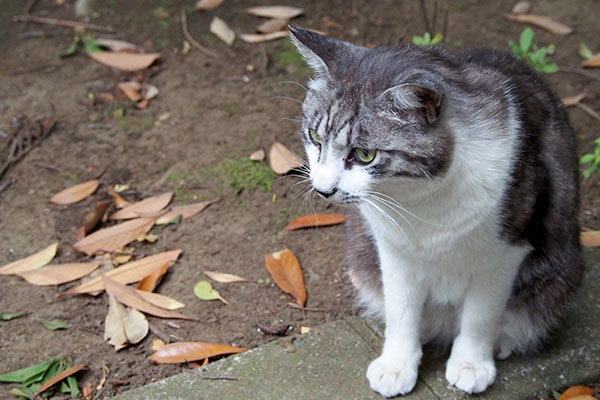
(207, 111)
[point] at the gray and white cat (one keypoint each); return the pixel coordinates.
(463, 171)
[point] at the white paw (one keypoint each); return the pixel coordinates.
(391, 378)
(469, 375)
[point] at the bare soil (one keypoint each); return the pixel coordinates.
(207, 110)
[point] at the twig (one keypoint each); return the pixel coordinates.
(424, 15)
(294, 305)
(579, 71)
(220, 378)
(62, 22)
(46, 166)
(192, 41)
(162, 336)
(28, 7)
(588, 110)
(4, 185)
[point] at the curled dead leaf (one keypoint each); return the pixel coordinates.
(572, 100)
(181, 352)
(279, 12)
(117, 45)
(543, 22)
(91, 219)
(124, 61)
(131, 90)
(160, 300)
(115, 237)
(258, 155)
(574, 393)
(592, 62)
(272, 25)
(207, 5)
(186, 211)
(286, 271)
(590, 238)
(150, 282)
(32, 262)
(522, 7)
(58, 274)
(75, 193)
(220, 29)
(282, 160)
(119, 201)
(224, 278)
(262, 37)
(314, 220)
(124, 325)
(144, 207)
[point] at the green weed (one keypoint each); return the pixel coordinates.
(290, 57)
(593, 159)
(427, 40)
(529, 52)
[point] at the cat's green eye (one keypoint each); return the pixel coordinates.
(314, 136)
(365, 156)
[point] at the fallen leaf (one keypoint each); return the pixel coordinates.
(7, 316)
(543, 22)
(33, 373)
(272, 25)
(282, 160)
(262, 37)
(131, 90)
(150, 238)
(314, 220)
(123, 325)
(75, 193)
(258, 155)
(160, 300)
(220, 29)
(279, 12)
(91, 219)
(59, 377)
(149, 91)
(147, 206)
(204, 291)
(304, 329)
(54, 325)
(285, 269)
(86, 392)
(572, 100)
(150, 282)
(157, 344)
(592, 62)
(186, 211)
(58, 274)
(224, 278)
(590, 238)
(116, 45)
(129, 273)
(115, 237)
(207, 5)
(128, 296)
(522, 7)
(181, 352)
(32, 262)
(122, 256)
(119, 201)
(124, 61)
(575, 391)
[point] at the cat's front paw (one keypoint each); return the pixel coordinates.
(470, 376)
(391, 378)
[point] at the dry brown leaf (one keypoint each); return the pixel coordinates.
(207, 5)
(543, 22)
(147, 206)
(124, 61)
(32, 262)
(128, 296)
(75, 193)
(91, 219)
(575, 391)
(583, 397)
(186, 211)
(59, 377)
(262, 37)
(272, 25)
(279, 12)
(522, 7)
(149, 91)
(314, 220)
(117, 45)
(224, 278)
(58, 274)
(181, 352)
(86, 392)
(124, 325)
(258, 155)
(572, 100)
(285, 269)
(115, 237)
(129, 273)
(157, 344)
(150, 282)
(282, 160)
(220, 29)
(131, 90)
(592, 62)
(160, 300)
(590, 238)
(119, 201)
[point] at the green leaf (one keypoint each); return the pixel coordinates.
(54, 324)
(73, 386)
(584, 51)
(527, 40)
(72, 50)
(550, 68)
(204, 291)
(24, 374)
(90, 45)
(427, 38)
(7, 316)
(22, 392)
(437, 38)
(587, 158)
(418, 40)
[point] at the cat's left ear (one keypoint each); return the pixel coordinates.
(424, 100)
(317, 50)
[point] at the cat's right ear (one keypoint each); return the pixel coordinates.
(316, 49)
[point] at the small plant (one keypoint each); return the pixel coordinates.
(527, 51)
(427, 40)
(593, 159)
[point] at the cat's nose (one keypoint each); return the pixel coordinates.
(326, 194)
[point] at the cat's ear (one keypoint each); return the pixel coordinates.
(426, 101)
(316, 49)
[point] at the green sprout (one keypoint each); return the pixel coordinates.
(593, 159)
(527, 51)
(427, 40)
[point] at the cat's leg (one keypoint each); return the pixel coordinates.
(395, 371)
(471, 364)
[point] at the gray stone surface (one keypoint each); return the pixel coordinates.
(330, 363)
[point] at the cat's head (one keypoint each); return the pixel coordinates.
(370, 115)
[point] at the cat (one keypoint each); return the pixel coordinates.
(463, 174)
